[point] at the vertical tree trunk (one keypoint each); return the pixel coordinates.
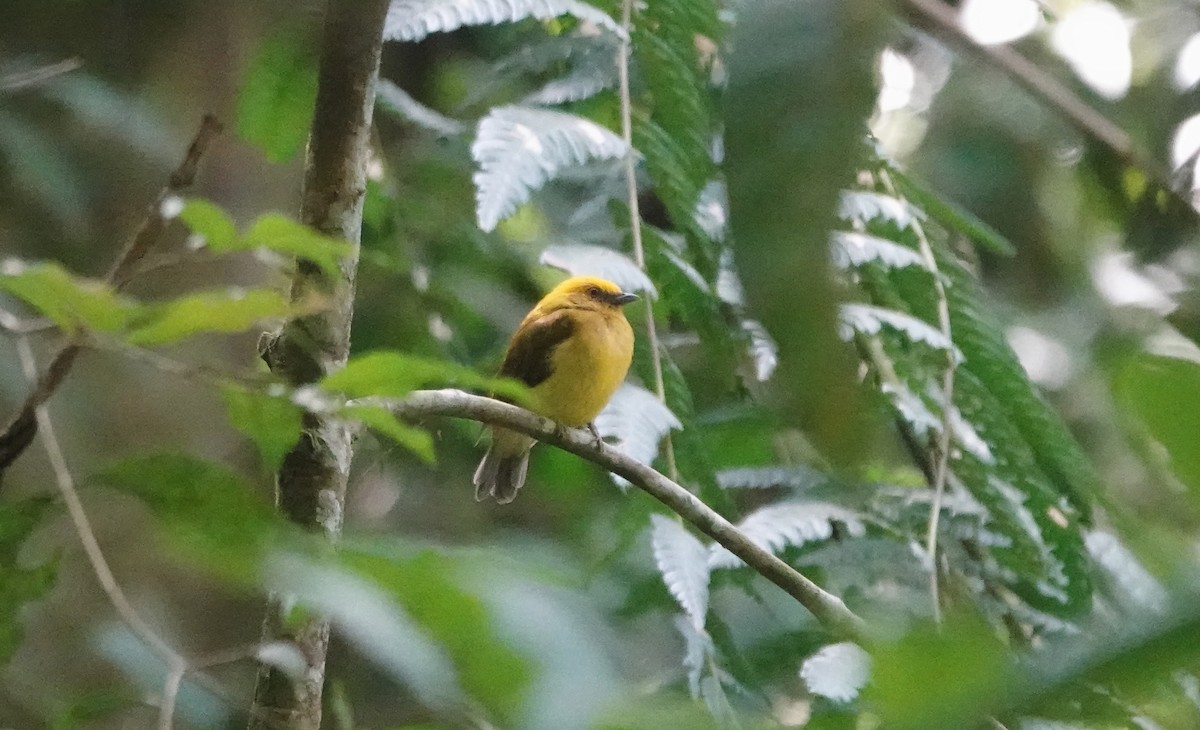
(311, 485)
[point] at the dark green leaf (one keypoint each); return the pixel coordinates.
(1164, 394)
(279, 92)
(427, 586)
(209, 221)
(69, 301)
(18, 585)
(220, 312)
(272, 422)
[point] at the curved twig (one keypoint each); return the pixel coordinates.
(827, 608)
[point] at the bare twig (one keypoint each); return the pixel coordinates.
(17, 436)
(635, 217)
(826, 607)
(942, 458)
(36, 76)
(1053, 93)
(311, 485)
(176, 664)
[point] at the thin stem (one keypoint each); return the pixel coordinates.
(635, 218)
(942, 463)
(176, 664)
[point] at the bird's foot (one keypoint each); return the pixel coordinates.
(591, 426)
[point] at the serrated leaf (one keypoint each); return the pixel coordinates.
(518, 149)
(19, 585)
(278, 95)
(865, 206)
(837, 671)
(271, 421)
(636, 421)
(210, 222)
(789, 524)
(392, 374)
(234, 310)
(869, 320)
(764, 477)
(849, 250)
(378, 418)
(953, 216)
(397, 100)
(68, 301)
(580, 259)
(278, 233)
(682, 561)
(412, 20)
(763, 349)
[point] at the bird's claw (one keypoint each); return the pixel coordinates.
(595, 434)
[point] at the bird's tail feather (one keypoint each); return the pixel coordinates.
(500, 476)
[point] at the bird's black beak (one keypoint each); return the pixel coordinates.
(624, 298)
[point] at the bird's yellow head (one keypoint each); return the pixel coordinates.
(586, 292)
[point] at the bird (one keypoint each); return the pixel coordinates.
(572, 350)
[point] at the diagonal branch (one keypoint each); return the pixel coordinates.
(827, 608)
(17, 436)
(1051, 92)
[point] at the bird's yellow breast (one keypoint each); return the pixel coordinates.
(587, 368)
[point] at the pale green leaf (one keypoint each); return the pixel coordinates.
(224, 312)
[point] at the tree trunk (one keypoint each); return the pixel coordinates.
(311, 485)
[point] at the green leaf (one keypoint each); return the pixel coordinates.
(393, 374)
(209, 221)
(283, 235)
(222, 312)
(1164, 394)
(800, 87)
(69, 301)
(272, 422)
(938, 677)
(378, 418)
(953, 216)
(19, 586)
(429, 587)
(206, 512)
(279, 93)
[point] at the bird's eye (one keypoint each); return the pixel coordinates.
(594, 292)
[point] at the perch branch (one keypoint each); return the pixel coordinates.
(17, 436)
(826, 607)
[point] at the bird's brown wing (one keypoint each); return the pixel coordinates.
(528, 356)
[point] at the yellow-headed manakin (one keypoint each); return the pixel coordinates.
(572, 350)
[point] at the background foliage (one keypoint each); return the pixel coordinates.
(836, 208)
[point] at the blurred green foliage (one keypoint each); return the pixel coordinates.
(803, 372)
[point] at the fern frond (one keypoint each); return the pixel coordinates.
(518, 149)
(869, 320)
(837, 671)
(789, 524)
(683, 562)
(412, 20)
(851, 250)
(580, 83)
(1132, 585)
(579, 259)
(398, 101)
(866, 206)
(762, 348)
(636, 420)
(764, 477)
